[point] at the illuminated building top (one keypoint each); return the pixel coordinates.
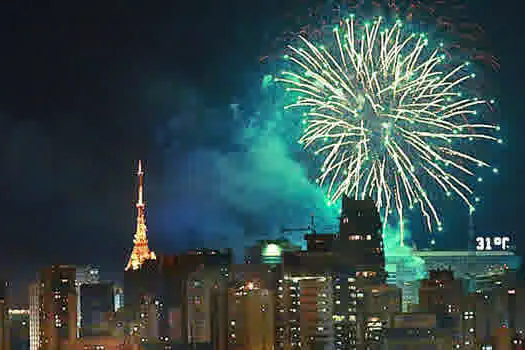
(141, 251)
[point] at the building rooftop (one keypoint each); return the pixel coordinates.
(452, 253)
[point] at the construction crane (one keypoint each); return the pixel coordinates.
(310, 228)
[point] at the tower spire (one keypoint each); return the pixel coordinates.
(471, 231)
(141, 251)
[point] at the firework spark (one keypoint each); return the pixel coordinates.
(387, 116)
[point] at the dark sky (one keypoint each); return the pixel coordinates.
(88, 88)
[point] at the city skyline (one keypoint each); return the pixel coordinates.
(77, 117)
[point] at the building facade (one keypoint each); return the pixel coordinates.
(5, 331)
(97, 307)
(19, 324)
(251, 318)
(58, 308)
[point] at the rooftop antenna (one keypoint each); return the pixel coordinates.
(471, 231)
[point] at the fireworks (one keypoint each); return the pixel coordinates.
(387, 116)
(448, 17)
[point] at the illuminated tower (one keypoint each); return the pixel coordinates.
(141, 250)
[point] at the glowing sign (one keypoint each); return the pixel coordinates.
(272, 250)
(492, 243)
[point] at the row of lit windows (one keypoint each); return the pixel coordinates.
(359, 238)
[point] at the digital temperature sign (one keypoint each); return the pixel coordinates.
(484, 243)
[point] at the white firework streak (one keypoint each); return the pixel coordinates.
(386, 114)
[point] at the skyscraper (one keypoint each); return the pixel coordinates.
(35, 305)
(251, 313)
(85, 275)
(58, 310)
(335, 292)
(360, 232)
(206, 306)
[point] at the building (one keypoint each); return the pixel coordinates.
(207, 307)
(360, 232)
(471, 266)
(251, 317)
(97, 307)
(489, 312)
(159, 300)
(85, 275)
(102, 343)
(179, 273)
(35, 306)
(415, 331)
(261, 275)
(335, 293)
(269, 252)
(119, 298)
(19, 320)
(5, 331)
(58, 308)
(441, 293)
(304, 310)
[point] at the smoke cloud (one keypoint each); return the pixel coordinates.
(248, 184)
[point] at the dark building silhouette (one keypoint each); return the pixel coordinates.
(5, 343)
(361, 239)
(19, 324)
(96, 304)
(440, 294)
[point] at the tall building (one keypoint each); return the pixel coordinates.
(85, 275)
(360, 232)
(251, 316)
(441, 293)
(304, 311)
(35, 308)
(141, 251)
(97, 307)
(334, 294)
(181, 275)
(4, 318)
(58, 309)
(207, 307)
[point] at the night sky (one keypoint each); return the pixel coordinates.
(86, 89)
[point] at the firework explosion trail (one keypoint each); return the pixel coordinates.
(449, 17)
(388, 118)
